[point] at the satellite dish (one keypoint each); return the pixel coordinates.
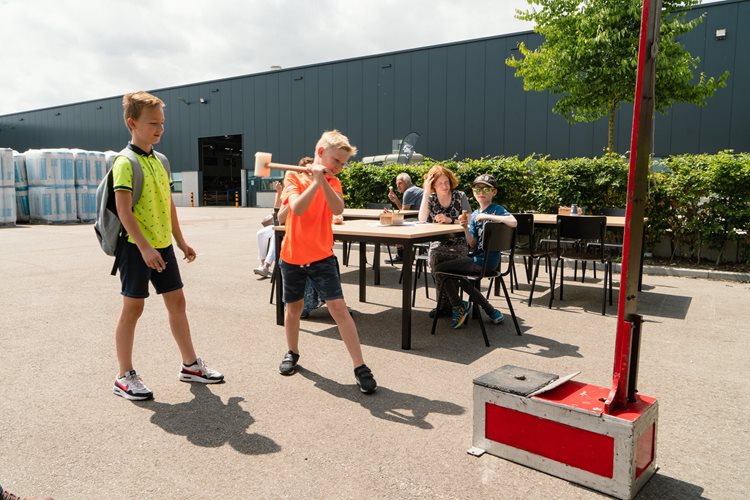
(406, 149)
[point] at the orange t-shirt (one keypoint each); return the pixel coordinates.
(309, 237)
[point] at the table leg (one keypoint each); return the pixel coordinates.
(408, 264)
(362, 272)
(376, 263)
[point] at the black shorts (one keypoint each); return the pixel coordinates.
(135, 274)
(324, 275)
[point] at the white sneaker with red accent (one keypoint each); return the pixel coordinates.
(130, 386)
(199, 372)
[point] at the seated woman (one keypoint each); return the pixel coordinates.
(265, 239)
(442, 203)
(485, 189)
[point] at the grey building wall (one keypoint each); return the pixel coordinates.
(461, 98)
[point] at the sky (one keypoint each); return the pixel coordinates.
(57, 52)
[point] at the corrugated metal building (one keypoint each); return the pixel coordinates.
(460, 97)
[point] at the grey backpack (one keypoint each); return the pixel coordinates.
(108, 228)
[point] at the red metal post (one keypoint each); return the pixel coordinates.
(640, 150)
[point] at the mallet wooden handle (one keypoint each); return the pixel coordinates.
(283, 166)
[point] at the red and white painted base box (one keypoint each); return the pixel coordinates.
(564, 431)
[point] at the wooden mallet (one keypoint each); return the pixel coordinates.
(263, 165)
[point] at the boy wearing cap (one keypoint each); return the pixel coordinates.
(485, 189)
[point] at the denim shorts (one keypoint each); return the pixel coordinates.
(323, 273)
(135, 274)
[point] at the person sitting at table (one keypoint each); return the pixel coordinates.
(264, 237)
(485, 189)
(412, 196)
(442, 203)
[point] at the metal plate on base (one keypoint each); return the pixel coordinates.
(477, 452)
(515, 380)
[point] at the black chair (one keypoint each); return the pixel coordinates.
(276, 271)
(420, 267)
(588, 232)
(526, 247)
(496, 237)
(616, 246)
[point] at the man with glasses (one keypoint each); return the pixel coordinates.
(485, 189)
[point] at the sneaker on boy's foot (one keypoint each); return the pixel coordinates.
(497, 317)
(365, 380)
(130, 386)
(199, 372)
(460, 314)
(289, 364)
(262, 271)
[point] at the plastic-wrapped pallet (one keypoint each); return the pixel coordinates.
(90, 167)
(52, 192)
(7, 188)
(22, 187)
(110, 155)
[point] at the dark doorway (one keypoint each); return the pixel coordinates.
(221, 164)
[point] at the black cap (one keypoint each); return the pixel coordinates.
(485, 179)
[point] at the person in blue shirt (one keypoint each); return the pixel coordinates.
(412, 194)
(412, 201)
(485, 189)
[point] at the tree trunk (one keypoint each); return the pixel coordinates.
(611, 128)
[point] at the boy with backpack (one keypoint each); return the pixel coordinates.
(148, 255)
(313, 198)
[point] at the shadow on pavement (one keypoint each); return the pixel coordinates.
(464, 345)
(387, 404)
(661, 487)
(539, 346)
(207, 421)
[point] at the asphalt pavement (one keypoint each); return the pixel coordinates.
(314, 435)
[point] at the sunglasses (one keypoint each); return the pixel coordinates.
(483, 189)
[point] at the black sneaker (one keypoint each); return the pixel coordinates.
(289, 364)
(365, 380)
(440, 313)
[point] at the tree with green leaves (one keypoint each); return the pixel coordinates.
(589, 57)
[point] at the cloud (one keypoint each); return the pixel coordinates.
(59, 52)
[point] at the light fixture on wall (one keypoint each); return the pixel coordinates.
(213, 91)
(721, 34)
(58, 114)
(203, 100)
(21, 119)
(99, 107)
(184, 101)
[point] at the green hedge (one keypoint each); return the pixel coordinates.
(695, 201)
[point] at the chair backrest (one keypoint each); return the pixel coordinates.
(525, 230)
(583, 228)
(379, 206)
(525, 225)
(497, 237)
(613, 212)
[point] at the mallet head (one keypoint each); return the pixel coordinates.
(262, 162)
